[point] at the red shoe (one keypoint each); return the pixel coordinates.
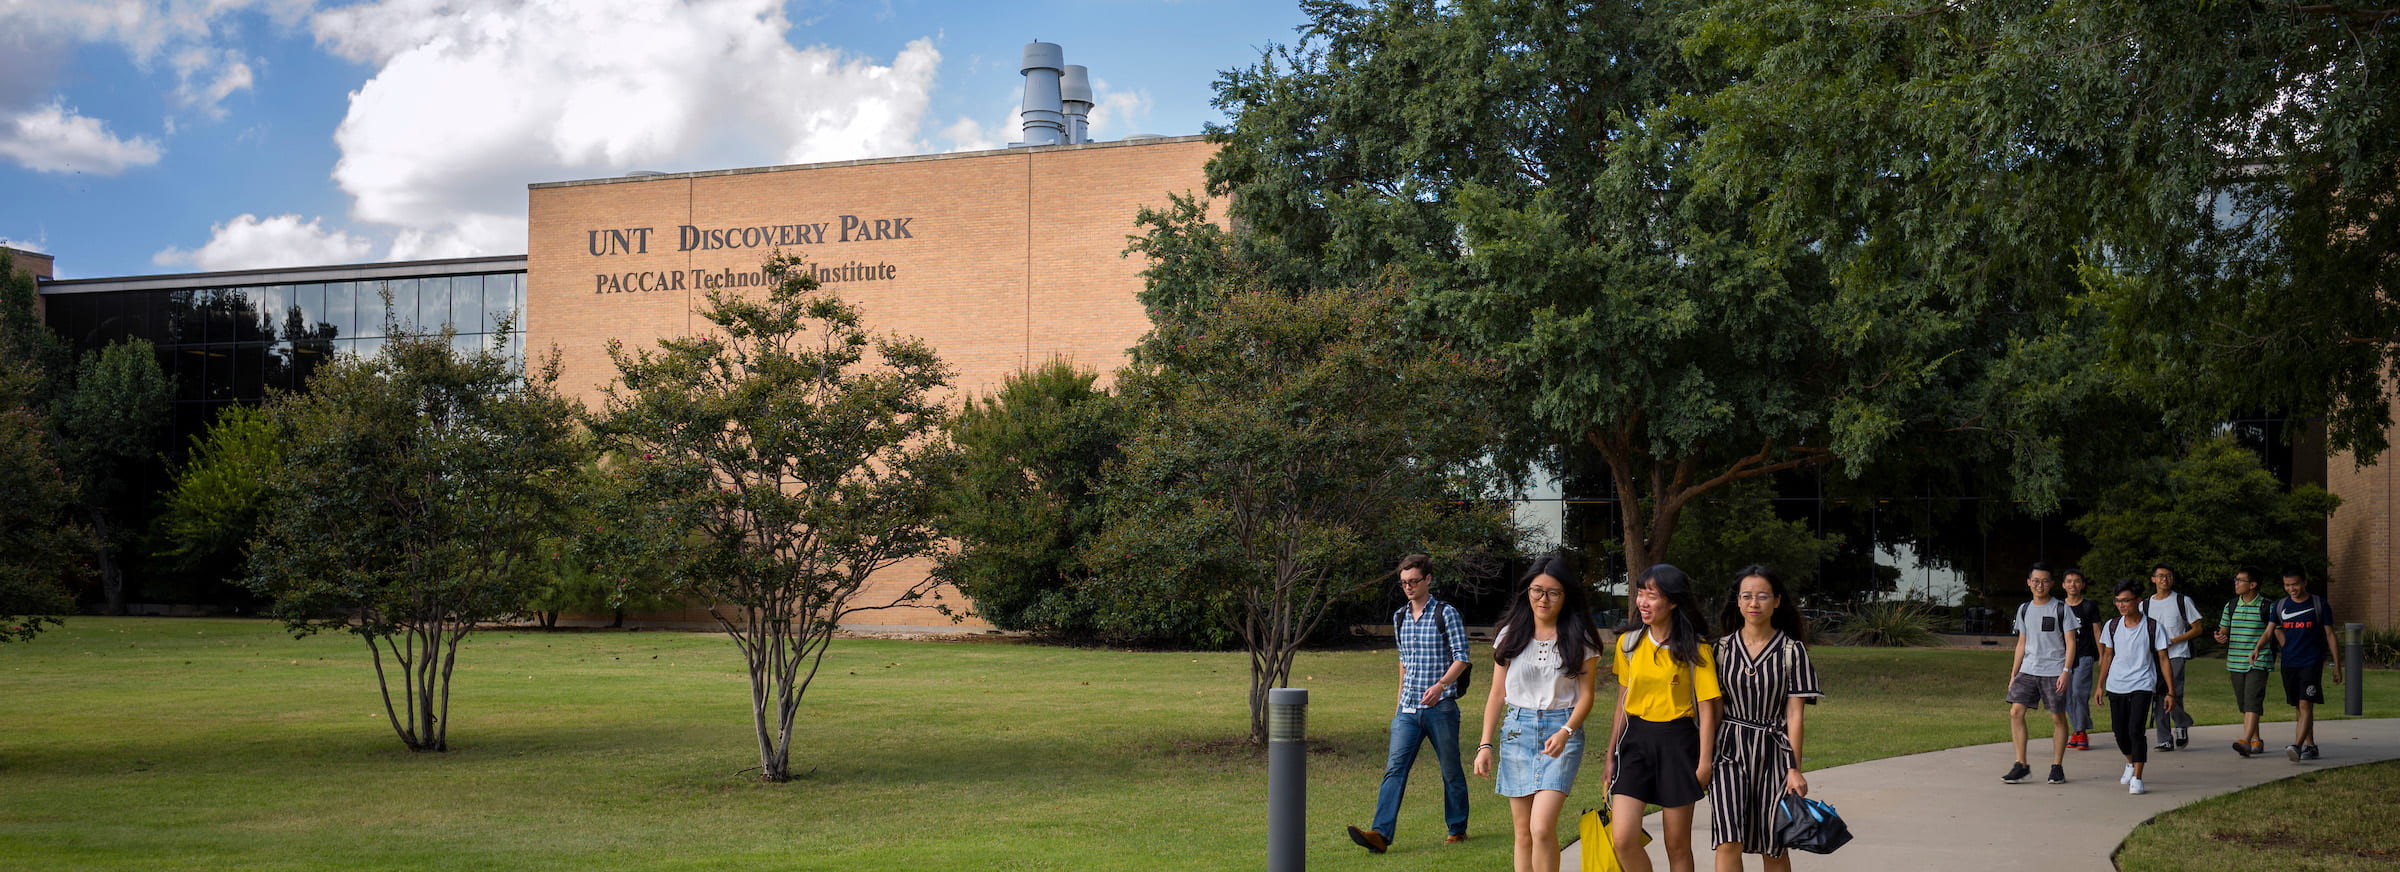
(2080, 741)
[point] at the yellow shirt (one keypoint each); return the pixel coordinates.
(1654, 682)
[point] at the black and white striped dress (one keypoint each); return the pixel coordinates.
(1753, 752)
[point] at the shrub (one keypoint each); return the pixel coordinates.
(1894, 624)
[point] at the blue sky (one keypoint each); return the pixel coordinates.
(185, 135)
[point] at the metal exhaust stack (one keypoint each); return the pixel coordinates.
(1075, 92)
(1045, 123)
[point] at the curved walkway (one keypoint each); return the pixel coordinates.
(1949, 809)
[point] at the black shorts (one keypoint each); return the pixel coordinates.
(1658, 763)
(2304, 683)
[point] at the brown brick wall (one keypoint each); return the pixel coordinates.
(2359, 539)
(1012, 257)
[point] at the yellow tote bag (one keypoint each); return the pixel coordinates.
(1599, 851)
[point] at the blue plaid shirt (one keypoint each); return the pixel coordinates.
(1423, 651)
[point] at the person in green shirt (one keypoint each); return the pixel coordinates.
(2240, 626)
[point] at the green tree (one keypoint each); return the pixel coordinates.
(213, 503)
(108, 427)
(771, 467)
(2207, 513)
(42, 553)
(1737, 527)
(2219, 175)
(1525, 162)
(1024, 500)
(412, 494)
(1289, 447)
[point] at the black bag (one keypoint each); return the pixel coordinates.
(1808, 825)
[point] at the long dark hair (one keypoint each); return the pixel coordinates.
(1786, 616)
(1578, 638)
(1683, 640)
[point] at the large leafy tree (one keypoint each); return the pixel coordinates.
(1023, 501)
(1528, 162)
(1288, 448)
(771, 467)
(108, 427)
(41, 551)
(2221, 175)
(215, 499)
(411, 495)
(2207, 512)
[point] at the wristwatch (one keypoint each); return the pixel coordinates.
(1570, 731)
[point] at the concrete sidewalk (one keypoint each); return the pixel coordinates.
(1949, 809)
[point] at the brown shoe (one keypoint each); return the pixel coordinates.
(1454, 838)
(1371, 840)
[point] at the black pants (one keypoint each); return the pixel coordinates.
(2127, 713)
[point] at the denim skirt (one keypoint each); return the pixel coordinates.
(1523, 767)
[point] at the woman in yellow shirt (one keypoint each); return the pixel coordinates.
(1662, 740)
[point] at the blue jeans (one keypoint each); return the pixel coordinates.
(2079, 695)
(1409, 731)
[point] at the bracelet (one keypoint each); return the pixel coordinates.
(1483, 746)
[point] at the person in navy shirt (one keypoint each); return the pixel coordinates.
(2302, 627)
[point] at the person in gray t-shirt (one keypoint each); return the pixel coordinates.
(2038, 672)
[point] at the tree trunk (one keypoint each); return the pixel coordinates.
(112, 573)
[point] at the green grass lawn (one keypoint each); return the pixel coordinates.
(150, 743)
(2332, 820)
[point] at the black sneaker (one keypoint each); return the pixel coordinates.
(2164, 745)
(2183, 736)
(2293, 752)
(2242, 748)
(2308, 752)
(2018, 771)
(2058, 774)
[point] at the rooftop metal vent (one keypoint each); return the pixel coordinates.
(1043, 116)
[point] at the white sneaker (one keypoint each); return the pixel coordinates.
(2134, 786)
(2126, 778)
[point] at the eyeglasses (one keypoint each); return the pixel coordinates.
(2128, 600)
(1414, 580)
(1757, 597)
(1545, 593)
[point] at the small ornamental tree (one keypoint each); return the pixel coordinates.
(1289, 448)
(407, 508)
(771, 467)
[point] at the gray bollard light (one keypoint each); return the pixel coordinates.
(1287, 779)
(2354, 662)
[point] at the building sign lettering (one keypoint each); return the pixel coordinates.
(844, 229)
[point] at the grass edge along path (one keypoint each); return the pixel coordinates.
(146, 743)
(2328, 820)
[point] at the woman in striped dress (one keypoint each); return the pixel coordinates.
(1769, 682)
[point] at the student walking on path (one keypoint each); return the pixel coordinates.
(2133, 659)
(1546, 659)
(2304, 631)
(1662, 739)
(1769, 682)
(1433, 659)
(2180, 619)
(2242, 628)
(2087, 655)
(2038, 673)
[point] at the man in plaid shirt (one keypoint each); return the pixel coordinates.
(1433, 658)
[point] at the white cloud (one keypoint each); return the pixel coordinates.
(1119, 113)
(205, 77)
(192, 36)
(54, 139)
(250, 242)
(476, 98)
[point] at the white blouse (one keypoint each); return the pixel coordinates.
(1537, 679)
